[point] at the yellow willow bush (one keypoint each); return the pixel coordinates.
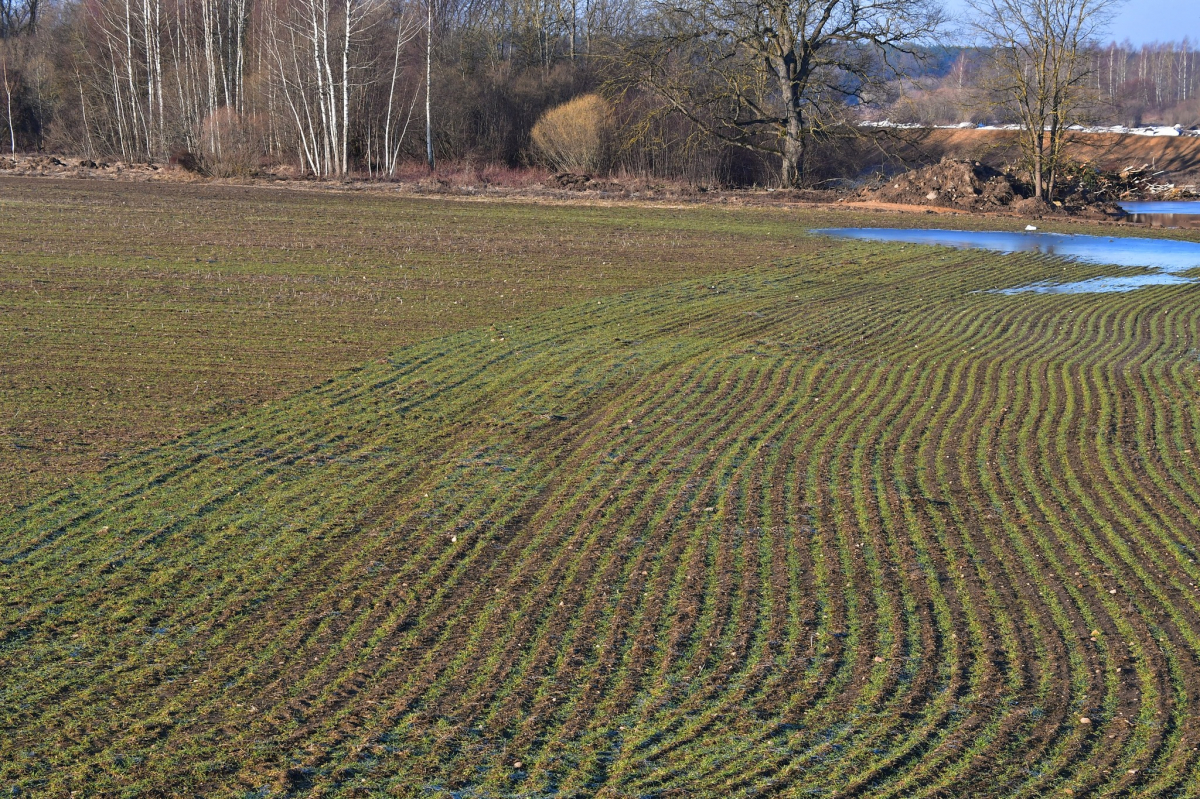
(573, 137)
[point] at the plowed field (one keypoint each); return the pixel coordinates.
(841, 523)
(130, 313)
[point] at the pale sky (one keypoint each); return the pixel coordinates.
(1143, 20)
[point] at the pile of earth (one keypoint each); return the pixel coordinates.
(975, 186)
(953, 183)
(49, 165)
(572, 181)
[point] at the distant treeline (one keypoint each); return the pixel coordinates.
(1157, 83)
(340, 86)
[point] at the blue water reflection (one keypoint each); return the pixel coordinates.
(1164, 257)
(1163, 213)
(1186, 207)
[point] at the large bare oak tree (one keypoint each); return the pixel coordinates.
(769, 74)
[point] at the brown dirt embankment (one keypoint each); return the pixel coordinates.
(1178, 157)
(974, 186)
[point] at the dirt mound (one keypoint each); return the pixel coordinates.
(37, 165)
(1084, 190)
(571, 181)
(568, 180)
(952, 183)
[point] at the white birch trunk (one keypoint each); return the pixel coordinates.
(133, 103)
(12, 133)
(345, 166)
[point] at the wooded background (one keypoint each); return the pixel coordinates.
(334, 87)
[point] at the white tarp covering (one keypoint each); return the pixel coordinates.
(1148, 130)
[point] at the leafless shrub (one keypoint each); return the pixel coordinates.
(233, 143)
(574, 136)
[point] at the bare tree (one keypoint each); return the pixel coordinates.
(18, 17)
(315, 84)
(1040, 51)
(12, 133)
(406, 30)
(767, 74)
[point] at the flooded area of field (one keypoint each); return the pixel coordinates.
(1164, 258)
(1164, 213)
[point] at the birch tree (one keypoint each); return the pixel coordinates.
(130, 36)
(325, 54)
(12, 132)
(407, 28)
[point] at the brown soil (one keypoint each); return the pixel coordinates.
(1177, 157)
(875, 205)
(969, 185)
(1084, 190)
(76, 167)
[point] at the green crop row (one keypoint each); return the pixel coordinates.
(845, 523)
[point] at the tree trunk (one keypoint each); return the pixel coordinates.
(239, 73)
(388, 166)
(1037, 170)
(12, 133)
(87, 131)
(158, 75)
(133, 104)
(792, 171)
(428, 83)
(793, 155)
(1055, 148)
(345, 165)
(320, 72)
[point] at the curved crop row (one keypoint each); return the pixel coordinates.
(850, 525)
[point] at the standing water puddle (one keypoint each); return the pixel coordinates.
(1165, 257)
(1164, 213)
